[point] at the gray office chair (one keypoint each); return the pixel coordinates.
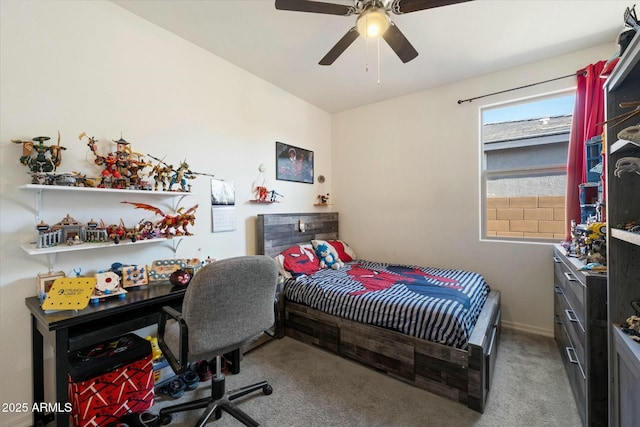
(227, 304)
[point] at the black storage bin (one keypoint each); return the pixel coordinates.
(97, 359)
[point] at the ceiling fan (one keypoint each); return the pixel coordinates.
(372, 21)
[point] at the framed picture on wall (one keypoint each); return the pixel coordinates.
(293, 163)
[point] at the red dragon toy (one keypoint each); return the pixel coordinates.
(178, 223)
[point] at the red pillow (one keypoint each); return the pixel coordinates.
(299, 261)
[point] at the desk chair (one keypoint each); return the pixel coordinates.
(227, 304)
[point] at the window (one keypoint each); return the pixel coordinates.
(524, 157)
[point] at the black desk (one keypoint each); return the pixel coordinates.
(69, 330)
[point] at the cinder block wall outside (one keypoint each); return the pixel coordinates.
(537, 216)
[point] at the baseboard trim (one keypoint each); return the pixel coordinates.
(527, 328)
(23, 421)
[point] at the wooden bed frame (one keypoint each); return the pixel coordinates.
(461, 375)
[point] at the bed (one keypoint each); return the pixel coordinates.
(444, 342)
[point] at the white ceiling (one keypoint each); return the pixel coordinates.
(454, 42)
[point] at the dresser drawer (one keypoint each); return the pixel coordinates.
(574, 290)
(575, 371)
(572, 327)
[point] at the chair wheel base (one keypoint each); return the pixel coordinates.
(165, 419)
(267, 389)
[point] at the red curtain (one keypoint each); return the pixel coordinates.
(587, 112)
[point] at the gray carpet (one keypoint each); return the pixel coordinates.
(315, 388)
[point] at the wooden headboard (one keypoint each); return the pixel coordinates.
(276, 232)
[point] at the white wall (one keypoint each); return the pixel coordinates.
(407, 179)
(92, 66)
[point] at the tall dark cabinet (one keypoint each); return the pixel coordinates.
(623, 247)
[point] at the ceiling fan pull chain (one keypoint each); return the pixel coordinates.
(378, 61)
(366, 55)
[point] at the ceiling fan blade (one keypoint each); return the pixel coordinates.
(340, 47)
(315, 7)
(399, 43)
(406, 6)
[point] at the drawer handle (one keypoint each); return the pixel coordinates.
(558, 290)
(571, 315)
(571, 277)
(571, 354)
(556, 260)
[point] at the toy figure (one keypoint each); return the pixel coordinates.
(83, 181)
(323, 198)
(178, 223)
(148, 231)
(327, 259)
(39, 157)
(262, 193)
(132, 168)
(156, 353)
(168, 176)
(274, 195)
(180, 176)
(161, 176)
(121, 167)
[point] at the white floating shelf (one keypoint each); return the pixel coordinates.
(104, 190)
(31, 248)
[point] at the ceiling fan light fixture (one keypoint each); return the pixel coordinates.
(373, 23)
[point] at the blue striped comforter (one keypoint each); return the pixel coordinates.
(438, 305)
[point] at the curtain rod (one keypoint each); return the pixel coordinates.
(584, 73)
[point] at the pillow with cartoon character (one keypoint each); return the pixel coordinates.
(297, 261)
(345, 253)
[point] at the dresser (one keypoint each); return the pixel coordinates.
(580, 328)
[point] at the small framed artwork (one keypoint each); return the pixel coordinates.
(44, 281)
(293, 163)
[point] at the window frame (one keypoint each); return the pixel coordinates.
(485, 175)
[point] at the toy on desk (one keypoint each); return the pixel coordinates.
(107, 285)
(70, 293)
(163, 268)
(45, 281)
(134, 275)
(180, 278)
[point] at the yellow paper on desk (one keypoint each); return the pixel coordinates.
(70, 293)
